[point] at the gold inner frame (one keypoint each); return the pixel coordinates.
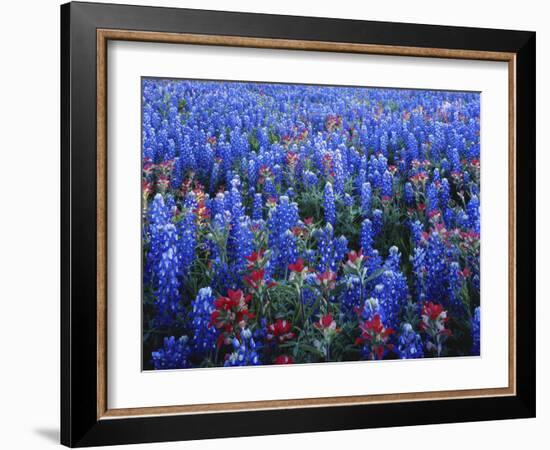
(103, 36)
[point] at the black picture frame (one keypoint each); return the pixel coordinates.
(80, 425)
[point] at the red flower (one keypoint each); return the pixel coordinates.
(284, 359)
(308, 220)
(280, 330)
(325, 322)
(432, 310)
(291, 159)
(353, 256)
(231, 311)
(434, 320)
(355, 260)
(255, 258)
(147, 188)
(377, 335)
(298, 266)
(148, 168)
(265, 173)
(327, 279)
(255, 279)
(374, 327)
(433, 323)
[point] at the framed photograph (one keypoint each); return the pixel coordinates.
(276, 224)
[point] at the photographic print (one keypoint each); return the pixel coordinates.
(293, 223)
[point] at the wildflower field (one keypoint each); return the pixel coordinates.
(287, 224)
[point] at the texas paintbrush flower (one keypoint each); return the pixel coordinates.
(433, 322)
(298, 272)
(354, 263)
(284, 359)
(375, 337)
(328, 328)
(256, 280)
(231, 311)
(256, 259)
(280, 331)
(326, 280)
(327, 325)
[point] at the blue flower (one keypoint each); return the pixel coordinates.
(244, 351)
(329, 205)
(472, 210)
(476, 327)
(409, 194)
(366, 198)
(204, 334)
(409, 344)
(173, 355)
(377, 221)
(167, 270)
(257, 208)
(367, 237)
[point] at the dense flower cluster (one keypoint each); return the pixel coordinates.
(289, 224)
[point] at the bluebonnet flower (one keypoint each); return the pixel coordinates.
(409, 194)
(377, 221)
(218, 205)
(371, 306)
(476, 332)
(204, 334)
(167, 295)
(331, 251)
(257, 208)
(244, 351)
(288, 250)
(173, 355)
(367, 237)
(473, 214)
(351, 296)
(412, 148)
(435, 268)
(456, 306)
(387, 185)
(282, 218)
(187, 239)
(416, 231)
(269, 188)
(252, 172)
(240, 244)
(409, 343)
(158, 218)
(391, 291)
(366, 198)
(393, 261)
(310, 179)
(329, 205)
(338, 174)
(444, 192)
(454, 159)
(432, 198)
(348, 200)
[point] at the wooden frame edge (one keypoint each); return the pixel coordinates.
(101, 187)
(103, 35)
